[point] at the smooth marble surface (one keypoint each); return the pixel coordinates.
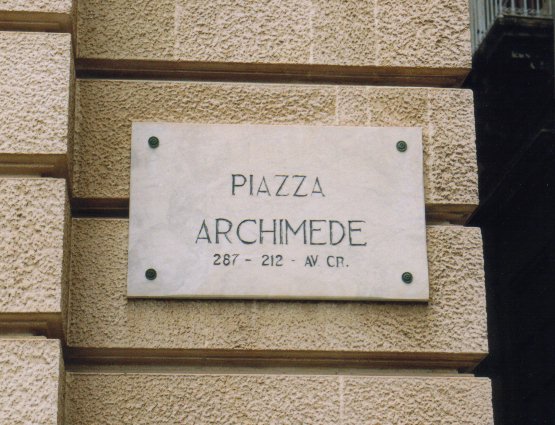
(284, 212)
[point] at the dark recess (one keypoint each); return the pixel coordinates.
(512, 79)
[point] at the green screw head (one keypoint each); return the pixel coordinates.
(402, 146)
(150, 274)
(407, 277)
(153, 142)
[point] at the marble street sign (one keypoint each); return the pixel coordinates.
(277, 212)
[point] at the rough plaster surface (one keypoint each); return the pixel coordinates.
(50, 6)
(105, 110)
(35, 79)
(254, 399)
(388, 33)
(423, 33)
(32, 376)
(33, 213)
(100, 314)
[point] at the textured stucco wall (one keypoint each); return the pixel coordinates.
(105, 110)
(31, 372)
(33, 217)
(382, 33)
(454, 321)
(35, 80)
(139, 399)
(44, 6)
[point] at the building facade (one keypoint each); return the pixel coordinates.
(75, 350)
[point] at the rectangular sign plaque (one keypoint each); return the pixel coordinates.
(277, 212)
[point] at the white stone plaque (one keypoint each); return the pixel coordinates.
(277, 212)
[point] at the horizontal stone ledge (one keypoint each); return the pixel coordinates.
(36, 15)
(43, 165)
(270, 73)
(273, 358)
(31, 387)
(106, 108)
(147, 398)
(36, 91)
(31, 20)
(379, 33)
(44, 324)
(33, 249)
(451, 325)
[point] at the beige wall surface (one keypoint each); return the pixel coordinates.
(32, 234)
(138, 399)
(35, 84)
(380, 33)
(31, 380)
(105, 110)
(453, 322)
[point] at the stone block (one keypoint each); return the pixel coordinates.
(106, 109)
(45, 6)
(138, 399)
(36, 79)
(426, 36)
(34, 217)
(452, 326)
(32, 382)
